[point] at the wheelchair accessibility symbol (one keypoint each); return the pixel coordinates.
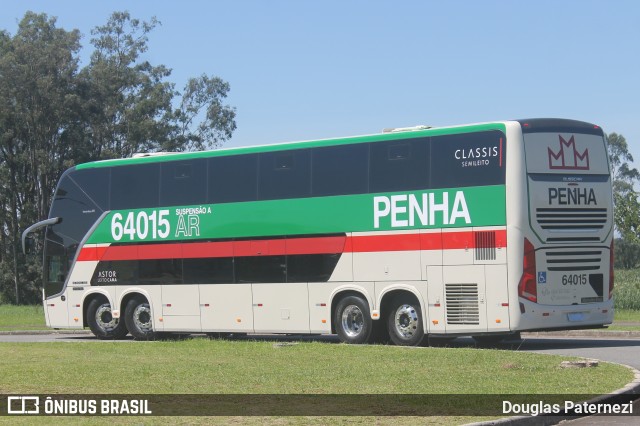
(542, 277)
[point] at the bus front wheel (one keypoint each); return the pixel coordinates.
(353, 320)
(404, 322)
(102, 323)
(139, 320)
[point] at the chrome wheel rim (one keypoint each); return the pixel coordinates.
(406, 321)
(352, 320)
(142, 317)
(105, 319)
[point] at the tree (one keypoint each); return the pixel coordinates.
(37, 70)
(54, 115)
(625, 198)
(626, 217)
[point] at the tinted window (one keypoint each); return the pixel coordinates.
(468, 159)
(56, 266)
(284, 175)
(134, 187)
(233, 179)
(261, 269)
(399, 165)
(161, 271)
(208, 271)
(183, 183)
(95, 183)
(77, 211)
(116, 272)
(311, 268)
(340, 170)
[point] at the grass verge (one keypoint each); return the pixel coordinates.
(14, 317)
(200, 366)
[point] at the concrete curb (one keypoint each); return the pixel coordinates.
(632, 388)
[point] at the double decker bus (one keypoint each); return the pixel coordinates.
(481, 230)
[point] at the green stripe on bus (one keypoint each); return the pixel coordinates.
(439, 208)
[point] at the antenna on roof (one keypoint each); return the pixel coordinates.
(405, 129)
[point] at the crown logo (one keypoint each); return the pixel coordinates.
(568, 157)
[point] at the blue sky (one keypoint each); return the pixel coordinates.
(304, 70)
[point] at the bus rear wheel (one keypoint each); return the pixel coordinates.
(139, 320)
(404, 322)
(102, 323)
(353, 320)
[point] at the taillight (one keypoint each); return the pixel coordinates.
(611, 258)
(527, 288)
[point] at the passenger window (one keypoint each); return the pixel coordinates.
(399, 165)
(468, 159)
(183, 183)
(284, 175)
(340, 170)
(208, 271)
(233, 178)
(134, 187)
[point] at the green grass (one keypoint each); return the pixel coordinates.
(627, 315)
(248, 367)
(14, 317)
(204, 366)
(627, 289)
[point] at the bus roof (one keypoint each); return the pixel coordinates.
(295, 145)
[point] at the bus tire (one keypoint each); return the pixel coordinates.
(102, 323)
(138, 318)
(352, 319)
(404, 321)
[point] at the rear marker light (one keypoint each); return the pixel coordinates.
(504, 305)
(545, 314)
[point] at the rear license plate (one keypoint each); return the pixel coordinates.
(576, 316)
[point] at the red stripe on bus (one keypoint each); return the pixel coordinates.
(294, 246)
(391, 242)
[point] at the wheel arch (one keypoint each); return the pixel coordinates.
(341, 293)
(88, 298)
(388, 294)
(133, 293)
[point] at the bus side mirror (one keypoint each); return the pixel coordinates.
(29, 245)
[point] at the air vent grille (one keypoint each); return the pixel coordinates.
(485, 245)
(571, 219)
(462, 304)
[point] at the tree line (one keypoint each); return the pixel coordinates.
(55, 114)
